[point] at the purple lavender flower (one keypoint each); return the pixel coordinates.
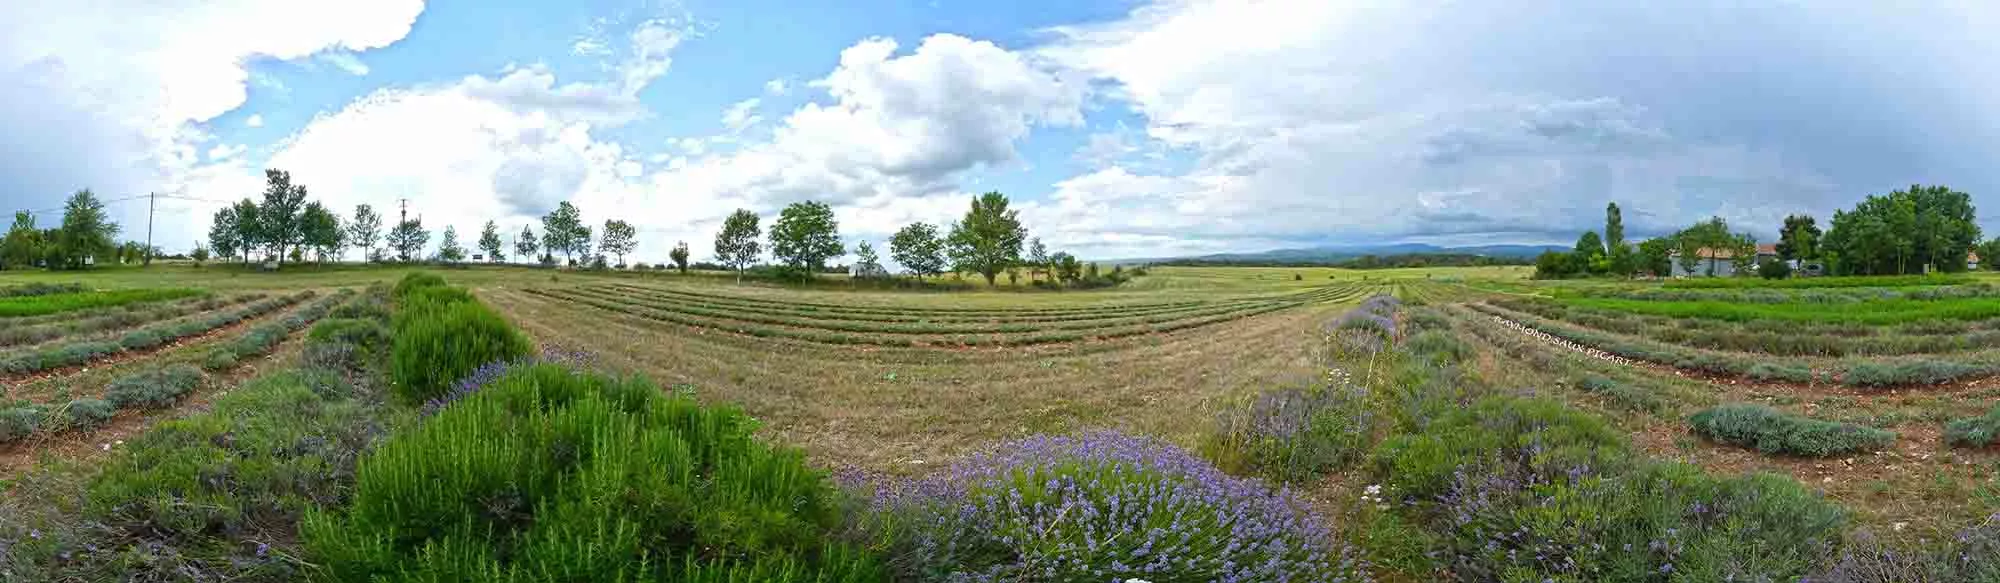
(487, 373)
(1106, 505)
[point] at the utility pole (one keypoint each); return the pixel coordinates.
(150, 197)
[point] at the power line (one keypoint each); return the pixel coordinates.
(60, 209)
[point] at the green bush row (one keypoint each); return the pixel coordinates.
(151, 336)
(551, 475)
(443, 333)
(891, 321)
(41, 289)
(19, 335)
(1779, 337)
(1772, 431)
(85, 300)
(872, 327)
(262, 338)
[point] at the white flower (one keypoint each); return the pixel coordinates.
(1898, 527)
(1373, 489)
(1136, 580)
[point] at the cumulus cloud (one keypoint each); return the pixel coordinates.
(113, 104)
(346, 62)
(741, 115)
(254, 121)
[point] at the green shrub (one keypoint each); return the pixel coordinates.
(89, 413)
(153, 389)
(369, 306)
(1509, 483)
(1623, 395)
(364, 334)
(1772, 372)
(17, 423)
(553, 475)
(1297, 434)
(1438, 347)
(1921, 372)
(1772, 431)
(219, 360)
(416, 281)
(1979, 431)
(210, 490)
(436, 343)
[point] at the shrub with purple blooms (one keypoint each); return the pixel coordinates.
(1972, 555)
(1104, 507)
(1296, 434)
(486, 374)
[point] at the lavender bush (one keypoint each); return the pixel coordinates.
(1296, 434)
(486, 374)
(1972, 555)
(1104, 507)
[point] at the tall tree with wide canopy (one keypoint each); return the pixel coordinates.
(563, 231)
(409, 239)
(805, 236)
(321, 231)
(619, 238)
(1799, 239)
(1903, 232)
(23, 242)
(86, 231)
(249, 229)
(281, 218)
(920, 250)
(988, 240)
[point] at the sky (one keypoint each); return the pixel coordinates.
(1119, 128)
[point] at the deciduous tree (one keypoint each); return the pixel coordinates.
(680, 256)
(805, 236)
(619, 238)
(919, 249)
(409, 239)
(365, 230)
(86, 231)
(563, 231)
(489, 241)
(866, 262)
(448, 247)
(23, 243)
(988, 240)
(280, 218)
(736, 245)
(249, 229)
(1799, 239)
(526, 246)
(322, 231)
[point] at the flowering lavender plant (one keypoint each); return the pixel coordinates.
(1972, 555)
(1106, 507)
(578, 361)
(1297, 433)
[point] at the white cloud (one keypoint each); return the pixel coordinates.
(741, 115)
(225, 151)
(345, 61)
(112, 102)
(777, 87)
(254, 121)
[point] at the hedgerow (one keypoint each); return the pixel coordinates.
(1818, 282)
(443, 333)
(552, 475)
(1772, 431)
(152, 336)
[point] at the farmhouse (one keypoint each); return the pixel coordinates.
(1717, 262)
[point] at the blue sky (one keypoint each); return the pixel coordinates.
(1120, 128)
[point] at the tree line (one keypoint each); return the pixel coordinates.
(1910, 231)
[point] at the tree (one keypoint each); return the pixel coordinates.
(1774, 270)
(321, 231)
(1065, 266)
(1555, 265)
(525, 246)
(1589, 254)
(409, 239)
(619, 238)
(1799, 239)
(1656, 256)
(866, 262)
(86, 231)
(919, 249)
(988, 240)
(680, 256)
(1616, 249)
(805, 236)
(563, 231)
(1903, 232)
(249, 228)
(364, 230)
(1038, 258)
(736, 246)
(489, 241)
(1989, 254)
(23, 242)
(200, 255)
(281, 216)
(448, 248)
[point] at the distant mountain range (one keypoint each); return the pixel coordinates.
(1338, 253)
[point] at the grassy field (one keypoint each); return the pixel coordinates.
(1808, 415)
